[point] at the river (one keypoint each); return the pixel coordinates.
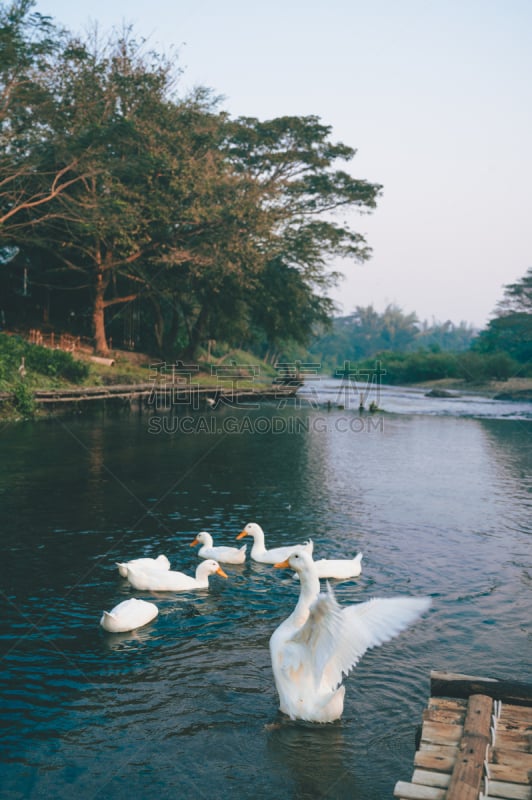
(435, 492)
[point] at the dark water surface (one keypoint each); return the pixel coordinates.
(439, 502)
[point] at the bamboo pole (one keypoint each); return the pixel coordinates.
(468, 770)
(451, 684)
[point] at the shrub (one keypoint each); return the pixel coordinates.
(472, 367)
(55, 364)
(500, 366)
(41, 360)
(477, 367)
(24, 400)
(414, 367)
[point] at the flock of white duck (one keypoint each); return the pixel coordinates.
(315, 647)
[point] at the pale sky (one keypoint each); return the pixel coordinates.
(435, 96)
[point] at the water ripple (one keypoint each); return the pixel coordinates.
(438, 505)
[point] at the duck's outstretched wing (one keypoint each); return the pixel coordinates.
(370, 624)
(335, 639)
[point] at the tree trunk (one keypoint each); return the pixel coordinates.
(98, 315)
(196, 335)
(171, 336)
(158, 325)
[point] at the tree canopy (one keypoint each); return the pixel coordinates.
(120, 197)
(510, 330)
(517, 296)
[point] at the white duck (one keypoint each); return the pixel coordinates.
(161, 562)
(320, 642)
(339, 568)
(171, 581)
(259, 552)
(227, 555)
(128, 615)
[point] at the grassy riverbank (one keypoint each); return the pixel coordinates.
(27, 369)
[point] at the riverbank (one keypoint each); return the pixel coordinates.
(59, 382)
(188, 395)
(31, 388)
(512, 389)
(136, 388)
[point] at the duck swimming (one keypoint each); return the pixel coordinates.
(320, 642)
(128, 615)
(339, 568)
(227, 555)
(259, 552)
(161, 562)
(172, 581)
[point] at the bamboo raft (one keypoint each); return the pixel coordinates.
(476, 742)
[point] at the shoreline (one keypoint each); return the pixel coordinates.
(49, 403)
(137, 397)
(513, 389)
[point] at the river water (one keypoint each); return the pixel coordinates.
(436, 493)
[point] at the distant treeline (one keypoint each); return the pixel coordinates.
(469, 366)
(411, 351)
(366, 332)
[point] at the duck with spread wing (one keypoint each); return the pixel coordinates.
(320, 642)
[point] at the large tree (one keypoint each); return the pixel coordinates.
(510, 331)
(159, 211)
(105, 228)
(222, 228)
(517, 296)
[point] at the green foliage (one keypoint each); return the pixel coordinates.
(127, 193)
(501, 366)
(517, 296)
(24, 400)
(510, 333)
(445, 336)
(414, 353)
(37, 361)
(147, 217)
(56, 364)
(420, 367)
(472, 367)
(366, 332)
(476, 367)
(28, 46)
(12, 350)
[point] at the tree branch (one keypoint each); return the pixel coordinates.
(57, 187)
